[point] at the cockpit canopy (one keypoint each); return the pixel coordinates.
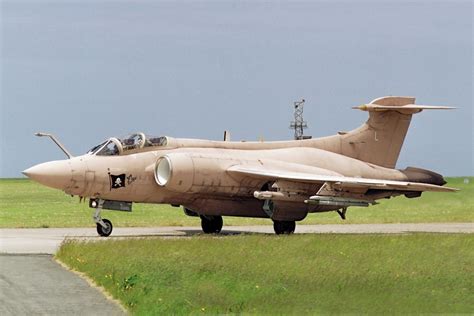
(117, 146)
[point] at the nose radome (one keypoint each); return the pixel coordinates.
(54, 174)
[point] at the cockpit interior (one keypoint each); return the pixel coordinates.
(117, 146)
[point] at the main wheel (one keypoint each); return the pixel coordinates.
(211, 224)
(284, 227)
(105, 231)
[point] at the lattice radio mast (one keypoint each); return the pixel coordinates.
(299, 124)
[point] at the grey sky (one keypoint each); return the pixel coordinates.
(90, 70)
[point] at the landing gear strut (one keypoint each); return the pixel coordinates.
(342, 212)
(104, 226)
(211, 224)
(284, 227)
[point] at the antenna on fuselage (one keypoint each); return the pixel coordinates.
(226, 136)
(299, 124)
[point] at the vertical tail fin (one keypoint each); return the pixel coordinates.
(380, 139)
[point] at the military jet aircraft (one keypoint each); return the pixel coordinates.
(281, 180)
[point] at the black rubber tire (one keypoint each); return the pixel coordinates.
(211, 224)
(291, 227)
(284, 227)
(105, 232)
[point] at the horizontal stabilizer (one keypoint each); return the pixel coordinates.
(406, 109)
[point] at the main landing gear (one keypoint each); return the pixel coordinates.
(284, 227)
(211, 224)
(104, 226)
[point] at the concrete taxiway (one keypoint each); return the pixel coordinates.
(38, 285)
(31, 282)
(48, 240)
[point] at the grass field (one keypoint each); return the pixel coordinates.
(24, 203)
(300, 274)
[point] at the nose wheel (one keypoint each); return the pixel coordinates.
(105, 230)
(104, 226)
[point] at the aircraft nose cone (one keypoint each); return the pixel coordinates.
(54, 174)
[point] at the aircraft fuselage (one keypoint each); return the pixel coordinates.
(282, 180)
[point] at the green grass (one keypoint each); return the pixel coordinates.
(24, 203)
(299, 274)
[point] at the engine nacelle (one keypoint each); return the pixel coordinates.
(197, 173)
(175, 172)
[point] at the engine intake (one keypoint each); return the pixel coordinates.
(175, 172)
(163, 171)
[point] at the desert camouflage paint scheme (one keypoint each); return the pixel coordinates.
(283, 180)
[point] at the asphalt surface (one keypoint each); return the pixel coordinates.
(48, 240)
(37, 285)
(32, 283)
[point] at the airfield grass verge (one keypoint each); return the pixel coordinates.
(299, 274)
(24, 203)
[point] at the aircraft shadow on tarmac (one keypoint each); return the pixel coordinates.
(181, 233)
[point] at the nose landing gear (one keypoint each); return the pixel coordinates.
(104, 226)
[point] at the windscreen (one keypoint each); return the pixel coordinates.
(94, 149)
(116, 146)
(110, 149)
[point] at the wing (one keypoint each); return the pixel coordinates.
(340, 181)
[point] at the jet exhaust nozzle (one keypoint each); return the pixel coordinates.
(423, 176)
